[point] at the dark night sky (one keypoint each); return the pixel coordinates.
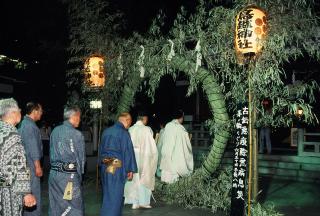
(36, 33)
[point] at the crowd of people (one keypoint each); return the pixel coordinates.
(130, 158)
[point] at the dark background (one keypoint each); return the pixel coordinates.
(36, 33)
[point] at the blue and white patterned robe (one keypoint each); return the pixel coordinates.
(66, 145)
(13, 169)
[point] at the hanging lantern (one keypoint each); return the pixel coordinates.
(94, 72)
(251, 31)
(299, 112)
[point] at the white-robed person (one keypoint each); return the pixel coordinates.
(176, 152)
(138, 191)
(159, 142)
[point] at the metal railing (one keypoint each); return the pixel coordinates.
(200, 136)
(308, 143)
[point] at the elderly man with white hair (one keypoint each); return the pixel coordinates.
(67, 158)
(14, 174)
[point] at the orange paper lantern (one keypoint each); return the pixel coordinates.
(299, 112)
(94, 72)
(251, 31)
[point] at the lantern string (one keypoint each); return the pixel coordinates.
(140, 62)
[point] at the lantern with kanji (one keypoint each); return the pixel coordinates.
(94, 75)
(251, 31)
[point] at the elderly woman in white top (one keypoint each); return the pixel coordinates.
(14, 174)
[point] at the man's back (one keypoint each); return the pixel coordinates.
(31, 139)
(116, 143)
(138, 133)
(67, 145)
(176, 151)
(146, 151)
(116, 159)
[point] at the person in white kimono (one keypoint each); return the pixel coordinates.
(159, 142)
(138, 191)
(176, 152)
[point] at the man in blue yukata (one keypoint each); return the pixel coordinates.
(32, 143)
(67, 158)
(117, 163)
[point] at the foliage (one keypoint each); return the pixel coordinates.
(94, 29)
(258, 210)
(199, 192)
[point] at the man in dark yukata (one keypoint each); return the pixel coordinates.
(117, 163)
(67, 158)
(32, 143)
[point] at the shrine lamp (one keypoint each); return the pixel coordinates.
(94, 75)
(299, 112)
(250, 34)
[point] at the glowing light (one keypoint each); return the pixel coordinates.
(251, 31)
(94, 72)
(96, 104)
